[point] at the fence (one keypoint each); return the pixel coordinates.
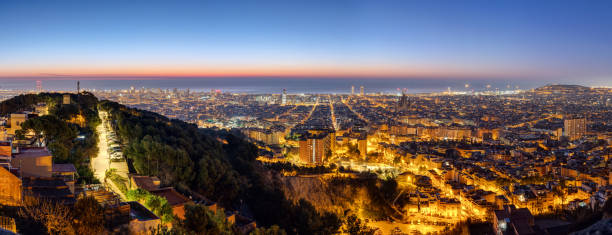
(8, 224)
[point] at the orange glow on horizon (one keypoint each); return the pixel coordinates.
(157, 71)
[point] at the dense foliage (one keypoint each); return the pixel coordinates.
(355, 226)
(86, 216)
(200, 220)
(119, 181)
(220, 165)
(175, 151)
(57, 134)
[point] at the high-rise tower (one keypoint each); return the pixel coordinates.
(575, 128)
(403, 104)
(284, 97)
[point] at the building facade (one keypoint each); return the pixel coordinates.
(575, 128)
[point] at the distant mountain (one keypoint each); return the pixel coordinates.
(562, 88)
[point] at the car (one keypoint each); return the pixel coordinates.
(116, 159)
(116, 155)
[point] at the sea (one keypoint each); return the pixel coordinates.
(264, 85)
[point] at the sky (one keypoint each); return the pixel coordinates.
(545, 40)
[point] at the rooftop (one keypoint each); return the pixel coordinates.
(32, 152)
(50, 188)
(68, 167)
(173, 197)
(141, 213)
(146, 182)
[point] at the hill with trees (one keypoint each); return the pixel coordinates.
(61, 126)
(218, 164)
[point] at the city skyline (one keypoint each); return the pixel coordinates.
(299, 117)
(545, 41)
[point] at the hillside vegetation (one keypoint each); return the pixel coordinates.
(218, 164)
(58, 130)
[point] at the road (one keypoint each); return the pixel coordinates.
(333, 116)
(314, 107)
(348, 104)
(101, 163)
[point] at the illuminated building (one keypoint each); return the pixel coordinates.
(403, 104)
(575, 128)
(16, 120)
(10, 189)
(361, 90)
(66, 172)
(33, 161)
(267, 136)
(66, 99)
(362, 146)
(511, 220)
(284, 97)
(313, 149)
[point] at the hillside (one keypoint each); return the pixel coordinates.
(61, 126)
(220, 165)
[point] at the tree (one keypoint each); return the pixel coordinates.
(272, 230)
(136, 194)
(221, 165)
(200, 220)
(54, 216)
(55, 133)
(87, 215)
(354, 226)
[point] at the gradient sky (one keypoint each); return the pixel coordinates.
(548, 40)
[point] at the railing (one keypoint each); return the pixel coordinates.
(8, 224)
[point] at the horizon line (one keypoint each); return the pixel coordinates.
(164, 77)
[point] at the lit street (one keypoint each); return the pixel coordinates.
(101, 163)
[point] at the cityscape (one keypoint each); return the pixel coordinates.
(306, 117)
(457, 157)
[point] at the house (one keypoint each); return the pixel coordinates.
(144, 182)
(511, 220)
(10, 188)
(7, 225)
(6, 149)
(31, 170)
(142, 220)
(152, 184)
(120, 215)
(33, 161)
(175, 199)
(48, 188)
(66, 172)
(16, 120)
